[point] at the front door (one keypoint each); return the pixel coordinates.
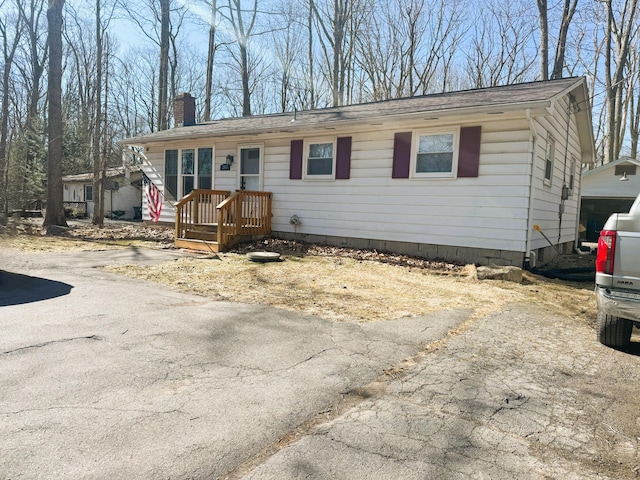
(250, 166)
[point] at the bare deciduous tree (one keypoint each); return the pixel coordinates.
(211, 53)
(10, 38)
(500, 52)
(338, 23)
(622, 25)
(243, 22)
(55, 208)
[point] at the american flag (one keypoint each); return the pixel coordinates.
(154, 201)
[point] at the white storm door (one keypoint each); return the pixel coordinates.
(250, 168)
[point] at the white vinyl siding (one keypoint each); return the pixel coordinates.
(546, 195)
(489, 211)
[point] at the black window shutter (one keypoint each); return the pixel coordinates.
(295, 160)
(469, 154)
(343, 158)
(401, 155)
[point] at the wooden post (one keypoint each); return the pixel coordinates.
(238, 213)
(196, 207)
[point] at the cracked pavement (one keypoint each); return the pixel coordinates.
(118, 378)
(112, 377)
(520, 394)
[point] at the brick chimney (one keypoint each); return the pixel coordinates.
(184, 110)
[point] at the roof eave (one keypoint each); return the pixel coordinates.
(538, 105)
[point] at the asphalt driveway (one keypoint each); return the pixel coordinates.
(109, 377)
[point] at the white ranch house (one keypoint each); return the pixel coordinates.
(123, 192)
(461, 176)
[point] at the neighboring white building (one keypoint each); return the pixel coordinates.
(461, 176)
(123, 192)
(607, 189)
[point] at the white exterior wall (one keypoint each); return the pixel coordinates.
(490, 211)
(546, 198)
(125, 198)
(485, 212)
(603, 183)
(73, 192)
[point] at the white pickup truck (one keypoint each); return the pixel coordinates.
(618, 277)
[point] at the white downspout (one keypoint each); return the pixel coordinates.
(533, 139)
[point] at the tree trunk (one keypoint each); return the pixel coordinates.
(622, 34)
(105, 135)
(243, 32)
(98, 179)
(246, 95)
(611, 98)
(210, 57)
(544, 39)
(8, 54)
(55, 207)
(338, 32)
(312, 93)
(567, 15)
(163, 75)
(31, 21)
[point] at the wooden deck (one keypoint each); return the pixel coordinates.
(215, 220)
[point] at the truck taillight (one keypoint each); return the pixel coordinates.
(606, 251)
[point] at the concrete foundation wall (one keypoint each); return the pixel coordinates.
(479, 256)
(548, 254)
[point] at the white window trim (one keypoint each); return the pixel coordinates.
(238, 158)
(305, 159)
(415, 142)
(179, 193)
(549, 181)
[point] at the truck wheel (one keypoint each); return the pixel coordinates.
(614, 331)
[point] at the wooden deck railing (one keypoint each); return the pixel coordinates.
(198, 207)
(245, 213)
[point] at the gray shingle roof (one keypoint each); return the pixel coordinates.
(112, 172)
(498, 98)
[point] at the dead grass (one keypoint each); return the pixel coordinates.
(337, 284)
(344, 289)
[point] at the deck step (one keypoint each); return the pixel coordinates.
(195, 244)
(204, 227)
(198, 235)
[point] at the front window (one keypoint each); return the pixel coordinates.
(187, 169)
(88, 193)
(171, 174)
(320, 160)
(435, 154)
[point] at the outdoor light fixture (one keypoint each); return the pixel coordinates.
(624, 177)
(229, 159)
